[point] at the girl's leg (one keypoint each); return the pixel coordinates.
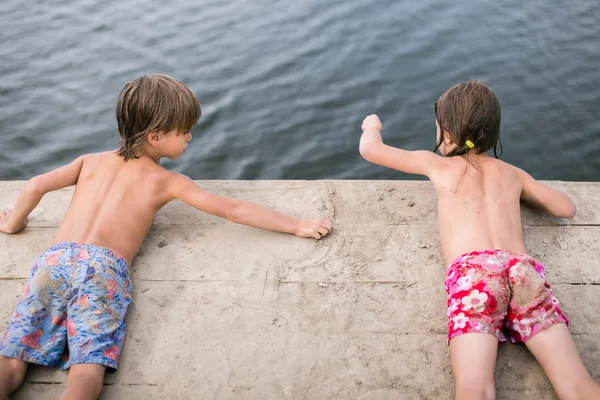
(12, 373)
(84, 382)
(554, 349)
(473, 359)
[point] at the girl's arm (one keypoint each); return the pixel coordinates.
(550, 200)
(374, 150)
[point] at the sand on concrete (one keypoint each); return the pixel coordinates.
(224, 311)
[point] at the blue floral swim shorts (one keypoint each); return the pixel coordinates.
(73, 309)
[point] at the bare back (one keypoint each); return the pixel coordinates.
(114, 203)
(478, 206)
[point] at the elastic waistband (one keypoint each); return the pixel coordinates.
(93, 249)
(484, 252)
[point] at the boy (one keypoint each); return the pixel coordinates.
(79, 289)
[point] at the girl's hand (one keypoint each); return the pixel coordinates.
(372, 122)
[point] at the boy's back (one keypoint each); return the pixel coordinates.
(478, 205)
(114, 203)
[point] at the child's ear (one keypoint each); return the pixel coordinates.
(447, 140)
(154, 137)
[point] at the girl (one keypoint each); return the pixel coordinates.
(491, 282)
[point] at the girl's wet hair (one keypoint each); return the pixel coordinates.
(469, 115)
(153, 103)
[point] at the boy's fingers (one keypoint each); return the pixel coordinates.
(323, 231)
(316, 235)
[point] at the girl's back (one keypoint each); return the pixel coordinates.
(478, 205)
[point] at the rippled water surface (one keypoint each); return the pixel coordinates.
(284, 85)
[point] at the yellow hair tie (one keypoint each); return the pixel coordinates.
(469, 144)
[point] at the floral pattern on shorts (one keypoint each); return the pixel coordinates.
(73, 309)
(492, 289)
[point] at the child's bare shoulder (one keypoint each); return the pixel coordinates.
(446, 167)
(163, 177)
(505, 169)
(108, 163)
(452, 170)
(100, 157)
(93, 164)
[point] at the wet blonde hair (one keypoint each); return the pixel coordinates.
(153, 103)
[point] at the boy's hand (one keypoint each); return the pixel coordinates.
(5, 223)
(372, 122)
(315, 228)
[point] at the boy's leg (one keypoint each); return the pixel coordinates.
(554, 349)
(84, 382)
(12, 373)
(473, 359)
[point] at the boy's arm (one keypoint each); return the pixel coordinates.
(245, 212)
(374, 150)
(552, 201)
(15, 220)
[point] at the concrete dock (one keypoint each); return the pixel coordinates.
(224, 311)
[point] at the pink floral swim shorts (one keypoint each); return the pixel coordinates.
(492, 289)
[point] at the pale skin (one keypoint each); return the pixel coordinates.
(113, 206)
(479, 208)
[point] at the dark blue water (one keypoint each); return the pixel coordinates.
(285, 85)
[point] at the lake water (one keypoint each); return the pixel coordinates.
(284, 85)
